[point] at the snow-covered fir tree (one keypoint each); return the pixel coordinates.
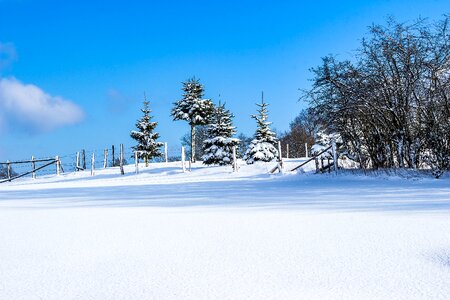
(218, 148)
(147, 147)
(263, 146)
(193, 109)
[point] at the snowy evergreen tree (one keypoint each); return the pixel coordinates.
(147, 146)
(218, 148)
(263, 146)
(193, 109)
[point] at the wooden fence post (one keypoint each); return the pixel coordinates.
(78, 162)
(183, 158)
(306, 150)
(235, 165)
(280, 154)
(113, 157)
(136, 162)
(166, 153)
(105, 159)
(316, 161)
(8, 168)
(58, 166)
(287, 151)
(33, 166)
(83, 158)
(121, 160)
(93, 164)
(335, 158)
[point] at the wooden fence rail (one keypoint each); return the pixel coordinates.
(53, 161)
(26, 161)
(312, 158)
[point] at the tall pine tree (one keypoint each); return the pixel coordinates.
(218, 148)
(193, 109)
(147, 147)
(263, 146)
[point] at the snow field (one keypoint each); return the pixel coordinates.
(212, 234)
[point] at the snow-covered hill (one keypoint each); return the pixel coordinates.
(215, 234)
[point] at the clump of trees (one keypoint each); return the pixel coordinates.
(387, 107)
(391, 103)
(301, 131)
(4, 172)
(148, 147)
(263, 146)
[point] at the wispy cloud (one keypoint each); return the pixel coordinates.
(28, 107)
(117, 102)
(8, 54)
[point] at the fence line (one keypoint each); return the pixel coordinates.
(77, 161)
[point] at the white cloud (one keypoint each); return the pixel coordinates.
(8, 54)
(30, 108)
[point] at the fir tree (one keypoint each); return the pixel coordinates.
(263, 146)
(193, 109)
(147, 147)
(218, 148)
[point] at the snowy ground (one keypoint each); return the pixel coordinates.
(214, 234)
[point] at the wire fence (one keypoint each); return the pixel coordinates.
(81, 160)
(85, 159)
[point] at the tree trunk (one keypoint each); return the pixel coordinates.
(192, 143)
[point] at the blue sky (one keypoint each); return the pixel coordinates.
(100, 57)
